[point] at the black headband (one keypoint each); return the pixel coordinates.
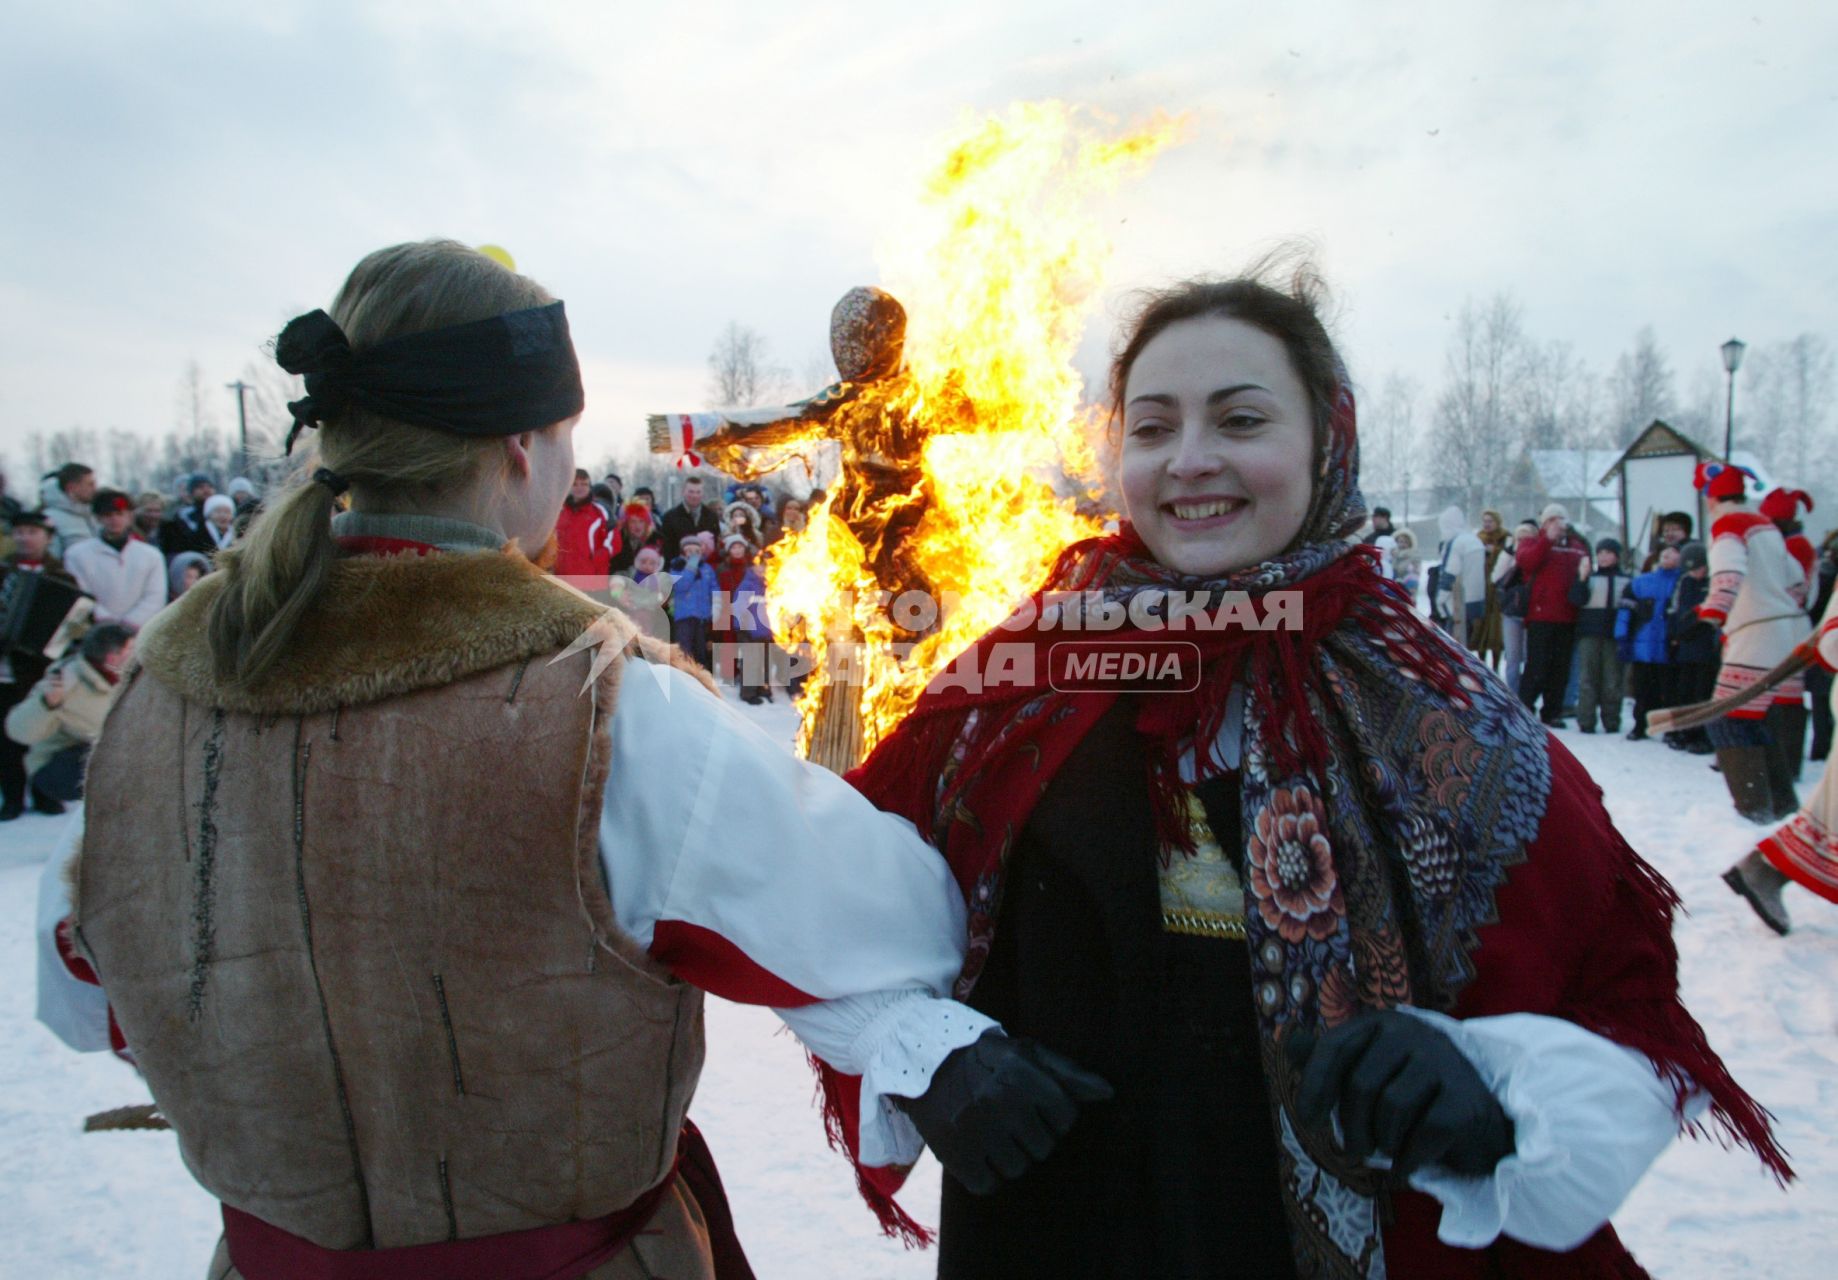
(498, 377)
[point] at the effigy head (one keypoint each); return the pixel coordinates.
(867, 334)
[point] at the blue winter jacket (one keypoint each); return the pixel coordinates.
(1643, 614)
(694, 593)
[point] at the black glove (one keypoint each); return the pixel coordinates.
(1404, 1091)
(999, 1105)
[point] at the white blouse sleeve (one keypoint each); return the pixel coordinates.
(1827, 636)
(75, 1011)
(766, 879)
(1589, 1117)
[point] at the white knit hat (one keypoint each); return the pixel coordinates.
(1556, 510)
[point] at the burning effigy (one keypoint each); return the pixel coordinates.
(960, 422)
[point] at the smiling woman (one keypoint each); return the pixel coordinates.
(1304, 915)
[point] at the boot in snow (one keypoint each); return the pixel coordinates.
(1760, 884)
(1786, 747)
(1781, 790)
(1745, 772)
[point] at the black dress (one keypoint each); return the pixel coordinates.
(1176, 1177)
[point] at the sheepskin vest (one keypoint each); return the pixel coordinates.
(353, 921)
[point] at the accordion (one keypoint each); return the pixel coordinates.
(41, 614)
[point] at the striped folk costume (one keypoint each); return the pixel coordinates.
(1757, 600)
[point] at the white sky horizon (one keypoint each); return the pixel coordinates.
(183, 179)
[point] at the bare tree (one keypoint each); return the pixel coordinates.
(1559, 399)
(1640, 389)
(1781, 402)
(819, 371)
(1477, 437)
(131, 461)
(270, 388)
(1699, 413)
(194, 405)
(739, 373)
(1389, 441)
(49, 451)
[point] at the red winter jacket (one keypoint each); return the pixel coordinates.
(1551, 569)
(581, 549)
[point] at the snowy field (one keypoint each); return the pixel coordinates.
(120, 1205)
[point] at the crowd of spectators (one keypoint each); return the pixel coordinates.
(1578, 631)
(697, 562)
(128, 555)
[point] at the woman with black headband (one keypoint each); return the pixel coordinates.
(409, 925)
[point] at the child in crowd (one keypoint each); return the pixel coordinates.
(743, 522)
(646, 565)
(792, 518)
(1407, 561)
(1694, 645)
(1600, 673)
(636, 532)
(220, 520)
(1515, 597)
(1640, 636)
(693, 600)
(743, 631)
(647, 595)
(184, 570)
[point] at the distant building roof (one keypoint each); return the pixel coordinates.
(1574, 477)
(1575, 473)
(1661, 439)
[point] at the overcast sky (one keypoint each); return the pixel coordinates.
(177, 179)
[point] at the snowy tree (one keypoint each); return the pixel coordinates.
(1477, 437)
(739, 373)
(46, 452)
(1559, 398)
(265, 401)
(131, 462)
(194, 404)
(819, 371)
(1699, 413)
(1640, 389)
(1389, 441)
(1786, 422)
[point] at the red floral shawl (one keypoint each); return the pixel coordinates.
(1390, 788)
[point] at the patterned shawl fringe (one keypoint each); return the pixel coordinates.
(836, 1101)
(1667, 1034)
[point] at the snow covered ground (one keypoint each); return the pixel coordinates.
(121, 1205)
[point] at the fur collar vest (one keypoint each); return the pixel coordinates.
(383, 626)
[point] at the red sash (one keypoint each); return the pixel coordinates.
(564, 1251)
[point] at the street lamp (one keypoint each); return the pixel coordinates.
(1732, 361)
(242, 389)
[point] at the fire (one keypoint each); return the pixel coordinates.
(997, 282)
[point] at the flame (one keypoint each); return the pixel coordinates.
(997, 280)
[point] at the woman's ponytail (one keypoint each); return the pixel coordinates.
(271, 579)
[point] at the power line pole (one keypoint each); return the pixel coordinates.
(241, 389)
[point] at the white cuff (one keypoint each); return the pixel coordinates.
(1589, 1116)
(894, 1040)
